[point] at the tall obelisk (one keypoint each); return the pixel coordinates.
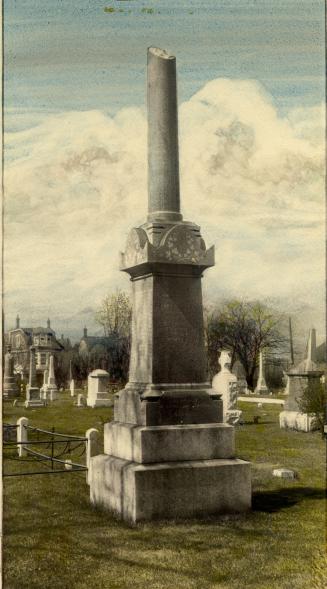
(165, 258)
(167, 453)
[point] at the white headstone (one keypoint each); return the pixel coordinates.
(97, 392)
(225, 383)
(72, 388)
(284, 473)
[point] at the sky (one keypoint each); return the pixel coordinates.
(251, 122)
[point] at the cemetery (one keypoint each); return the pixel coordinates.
(52, 532)
(173, 480)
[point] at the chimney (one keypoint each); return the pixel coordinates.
(17, 322)
(48, 323)
(85, 332)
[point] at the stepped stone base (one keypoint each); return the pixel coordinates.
(301, 422)
(170, 442)
(169, 490)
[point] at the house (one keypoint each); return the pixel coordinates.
(99, 344)
(44, 341)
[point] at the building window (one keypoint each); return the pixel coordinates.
(36, 340)
(43, 359)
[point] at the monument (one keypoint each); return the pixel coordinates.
(71, 380)
(261, 388)
(226, 384)
(52, 389)
(45, 384)
(298, 379)
(10, 386)
(33, 394)
(97, 389)
(72, 388)
(167, 454)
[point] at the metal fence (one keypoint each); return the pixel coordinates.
(25, 446)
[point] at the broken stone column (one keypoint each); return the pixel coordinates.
(33, 394)
(298, 379)
(225, 383)
(261, 388)
(168, 453)
(10, 387)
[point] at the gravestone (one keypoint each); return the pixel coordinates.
(298, 379)
(239, 372)
(52, 389)
(167, 454)
(72, 388)
(225, 383)
(81, 400)
(10, 387)
(45, 384)
(33, 394)
(97, 390)
(284, 473)
(261, 388)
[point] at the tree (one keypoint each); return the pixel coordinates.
(245, 328)
(314, 401)
(115, 314)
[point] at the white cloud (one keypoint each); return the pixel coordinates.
(76, 183)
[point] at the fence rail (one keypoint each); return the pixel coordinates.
(87, 445)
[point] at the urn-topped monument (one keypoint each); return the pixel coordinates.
(167, 452)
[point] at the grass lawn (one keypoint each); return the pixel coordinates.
(53, 538)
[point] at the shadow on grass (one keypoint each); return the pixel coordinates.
(272, 501)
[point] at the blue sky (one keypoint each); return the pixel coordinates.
(66, 54)
(251, 93)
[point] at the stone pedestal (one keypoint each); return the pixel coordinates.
(170, 490)
(167, 453)
(97, 389)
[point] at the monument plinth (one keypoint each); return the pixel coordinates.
(168, 454)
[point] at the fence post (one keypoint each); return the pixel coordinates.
(22, 424)
(91, 449)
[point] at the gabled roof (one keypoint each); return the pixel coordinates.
(38, 330)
